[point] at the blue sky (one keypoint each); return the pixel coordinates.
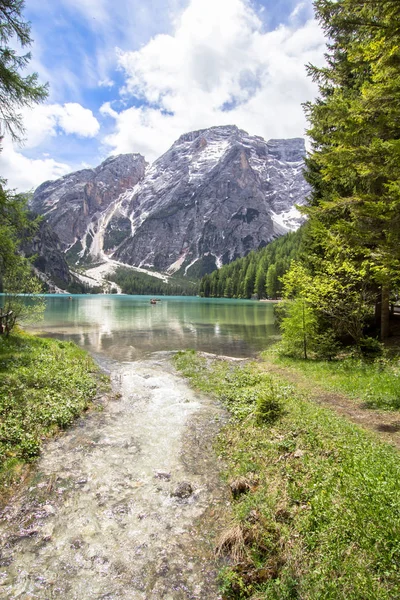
(133, 75)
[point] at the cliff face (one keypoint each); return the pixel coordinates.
(49, 258)
(217, 192)
(214, 195)
(75, 204)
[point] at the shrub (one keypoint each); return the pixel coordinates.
(268, 405)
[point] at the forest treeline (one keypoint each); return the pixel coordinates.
(133, 282)
(256, 275)
(342, 288)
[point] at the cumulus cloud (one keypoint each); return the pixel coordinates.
(51, 119)
(219, 66)
(24, 173)
(73, 118)
(43, 122)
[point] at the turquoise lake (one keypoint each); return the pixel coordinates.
(129, 327)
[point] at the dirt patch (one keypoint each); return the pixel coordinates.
(385, 424)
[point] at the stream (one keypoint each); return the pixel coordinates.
(121, 505)
(124, 505)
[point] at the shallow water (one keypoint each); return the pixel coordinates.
(129, 327)
(100, 518)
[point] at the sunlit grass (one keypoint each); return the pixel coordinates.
(376, 382)
(44, 385)
(320, 516)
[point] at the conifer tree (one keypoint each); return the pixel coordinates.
(16, 90)
(354, 167)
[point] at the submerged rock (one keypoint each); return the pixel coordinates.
(163, 475)
(183, 490)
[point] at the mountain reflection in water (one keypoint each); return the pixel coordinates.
(129, 327)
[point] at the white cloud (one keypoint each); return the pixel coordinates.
(127, 23)
(24, 173)
(107, 83)
(42, 122)
(219, 66)
(47, 120)
(73, 118)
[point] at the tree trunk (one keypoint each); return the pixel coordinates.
(304, 332)
(378, 311)
(385, 313)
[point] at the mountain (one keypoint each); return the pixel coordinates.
(49, 259)
(76, 205)
(213, 196)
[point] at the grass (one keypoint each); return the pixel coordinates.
(318, 516)
(376, 382)
(45, 384)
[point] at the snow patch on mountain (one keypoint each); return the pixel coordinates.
(217, 192)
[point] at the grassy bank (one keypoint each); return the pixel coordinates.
(376, 382)
(45, 384)
(316, 502)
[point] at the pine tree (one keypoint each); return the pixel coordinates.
(259, 286)
(16, 91)
(271, 285)
(354, 167)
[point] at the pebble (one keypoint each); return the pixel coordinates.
(49, 509)
(163, 475)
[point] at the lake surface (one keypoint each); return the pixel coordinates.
(129, 327)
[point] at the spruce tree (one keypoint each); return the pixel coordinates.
(16, 90)
(354, 167)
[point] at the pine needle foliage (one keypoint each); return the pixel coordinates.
(16, 90)
(354, 166)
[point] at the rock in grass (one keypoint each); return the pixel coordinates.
(298, 454)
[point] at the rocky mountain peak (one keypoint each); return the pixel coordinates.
(215, 195)
(220, 131)
(73, 203)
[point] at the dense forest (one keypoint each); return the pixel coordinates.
(256, 275)
(352, 266)
(134, 282)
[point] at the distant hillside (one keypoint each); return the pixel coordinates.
(257, 273)
(132, 282)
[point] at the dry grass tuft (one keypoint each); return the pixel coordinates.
(244, 484)
(232, 542)
(240, 486)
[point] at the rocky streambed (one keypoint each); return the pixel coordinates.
(121, 506)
